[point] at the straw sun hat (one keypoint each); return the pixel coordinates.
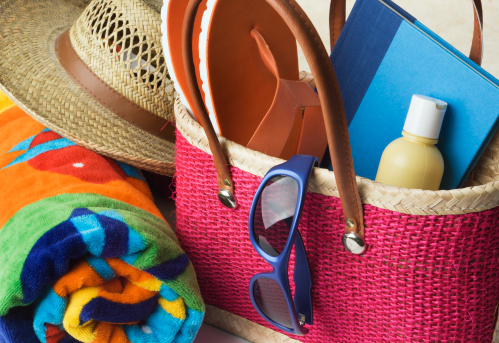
(94, 72)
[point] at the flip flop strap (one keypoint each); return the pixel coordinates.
(294, 102)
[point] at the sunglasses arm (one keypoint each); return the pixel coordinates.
(303, 281)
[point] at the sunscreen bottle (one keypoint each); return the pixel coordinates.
(413, 160)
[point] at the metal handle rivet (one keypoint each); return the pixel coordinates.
(227, 183)
(226, 198)
(353, 243)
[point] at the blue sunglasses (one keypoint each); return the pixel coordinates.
(273, 228)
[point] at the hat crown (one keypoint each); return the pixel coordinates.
(120, 41)
(93, 71)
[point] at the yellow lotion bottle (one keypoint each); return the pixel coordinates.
(413, 160)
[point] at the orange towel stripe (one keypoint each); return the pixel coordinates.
(107, 332)
(128, 294)
(80, 276)
(126, 270)
(14, 119)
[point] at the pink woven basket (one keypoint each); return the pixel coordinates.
(424, 278)
(429, 274)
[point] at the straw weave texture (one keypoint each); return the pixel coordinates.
(430, 273)
(478, 197)
(120, 41)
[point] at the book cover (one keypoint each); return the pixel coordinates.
(384, 56)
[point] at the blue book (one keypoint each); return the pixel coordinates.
(384, 56)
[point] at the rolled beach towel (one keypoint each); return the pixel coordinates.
(86, 255)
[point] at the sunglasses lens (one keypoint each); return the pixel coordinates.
(271, 300)
(274, 214)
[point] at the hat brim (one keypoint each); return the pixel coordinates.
(31, 75)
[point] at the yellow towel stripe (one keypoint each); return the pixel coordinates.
(152, 285)
(85, 333)
(176, 307)
(5, 103)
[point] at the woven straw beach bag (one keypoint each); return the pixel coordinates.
(430, 270)
(429, 273)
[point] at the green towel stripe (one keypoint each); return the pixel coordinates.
(23, 230)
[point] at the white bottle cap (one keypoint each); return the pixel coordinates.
(425, 116)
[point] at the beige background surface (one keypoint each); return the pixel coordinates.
(450, 19)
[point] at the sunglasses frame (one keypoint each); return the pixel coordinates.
(298, 167)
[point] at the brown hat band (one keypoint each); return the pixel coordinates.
(107, 96)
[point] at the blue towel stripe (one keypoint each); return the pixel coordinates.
(17, 327)
(104, 310)
(49, 259)
(101, 267)
(40, 149)
(116, 231)
(112, 214)
(91, 231)
(164, 325)
(140, 334)
(130, 259)
(170, 270)
(24, 145)
(131, 171)
(168, 293)
(135, 242)
(191, 326)
(50, 310)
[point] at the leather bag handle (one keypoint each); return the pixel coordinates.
(332, 109)
(337, 15)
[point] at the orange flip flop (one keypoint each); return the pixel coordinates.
(172, 15)
(249, 70)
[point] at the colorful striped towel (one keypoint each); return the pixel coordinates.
(86, 255)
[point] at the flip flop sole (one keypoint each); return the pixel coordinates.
(238, 87)
(172, 15)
